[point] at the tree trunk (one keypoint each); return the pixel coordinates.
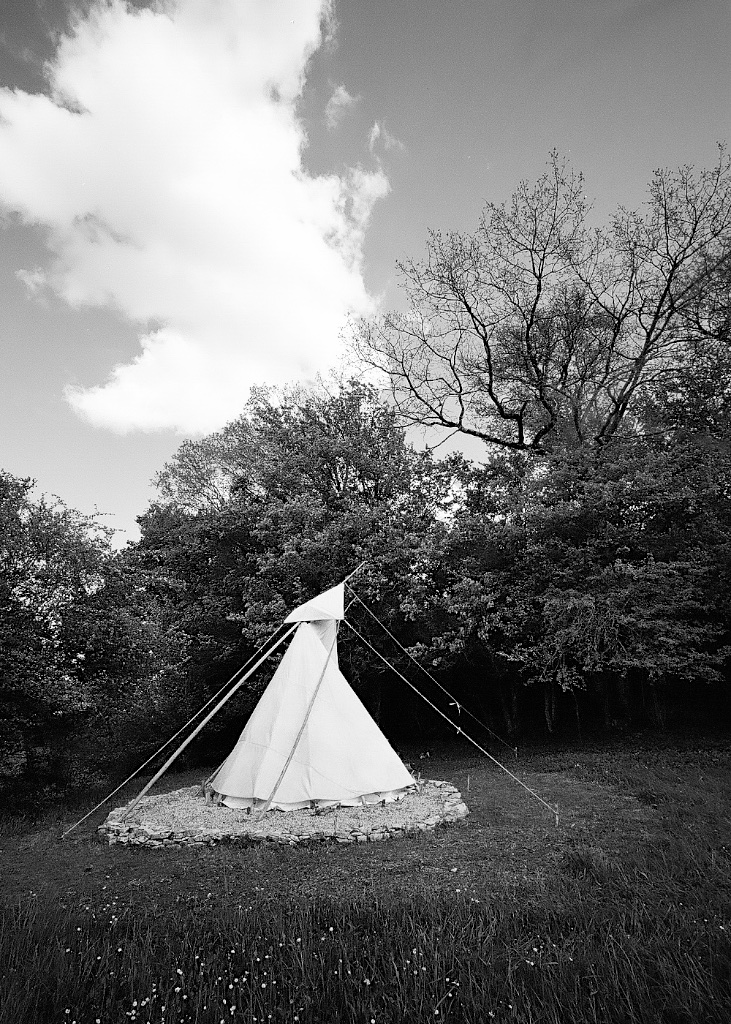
(578, 716)
(507, 709)
(514, 699)
(603, 694)
(549, 704)
(624, 690)
(657, 708)
(510, 705)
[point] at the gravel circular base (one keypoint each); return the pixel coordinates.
(183, 818)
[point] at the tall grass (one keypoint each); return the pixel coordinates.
(397, 961)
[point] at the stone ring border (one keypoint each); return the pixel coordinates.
(429, 804)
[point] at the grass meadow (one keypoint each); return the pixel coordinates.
(622, 913)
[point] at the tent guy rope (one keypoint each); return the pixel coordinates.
(460, 707)
(128, 810)
(553, 810)
(182, 729)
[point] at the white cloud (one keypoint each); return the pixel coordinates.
(167, 168)
(34, 280)
(338, 105)
(387, 140)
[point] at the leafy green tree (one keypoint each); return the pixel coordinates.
(201, 473)
(80, 648)
(591, 581)
(605, 574)
(589, 553)
(329, 482)
(51, 560)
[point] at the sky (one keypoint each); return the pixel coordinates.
(197, 195)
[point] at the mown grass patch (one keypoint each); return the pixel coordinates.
(621, 914)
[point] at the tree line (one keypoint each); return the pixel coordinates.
(572, 577)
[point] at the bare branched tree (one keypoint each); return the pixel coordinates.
(536, 330)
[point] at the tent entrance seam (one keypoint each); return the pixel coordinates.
(298, 737)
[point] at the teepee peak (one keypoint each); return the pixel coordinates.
(327, 605)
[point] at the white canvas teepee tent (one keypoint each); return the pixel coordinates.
(310, 740)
